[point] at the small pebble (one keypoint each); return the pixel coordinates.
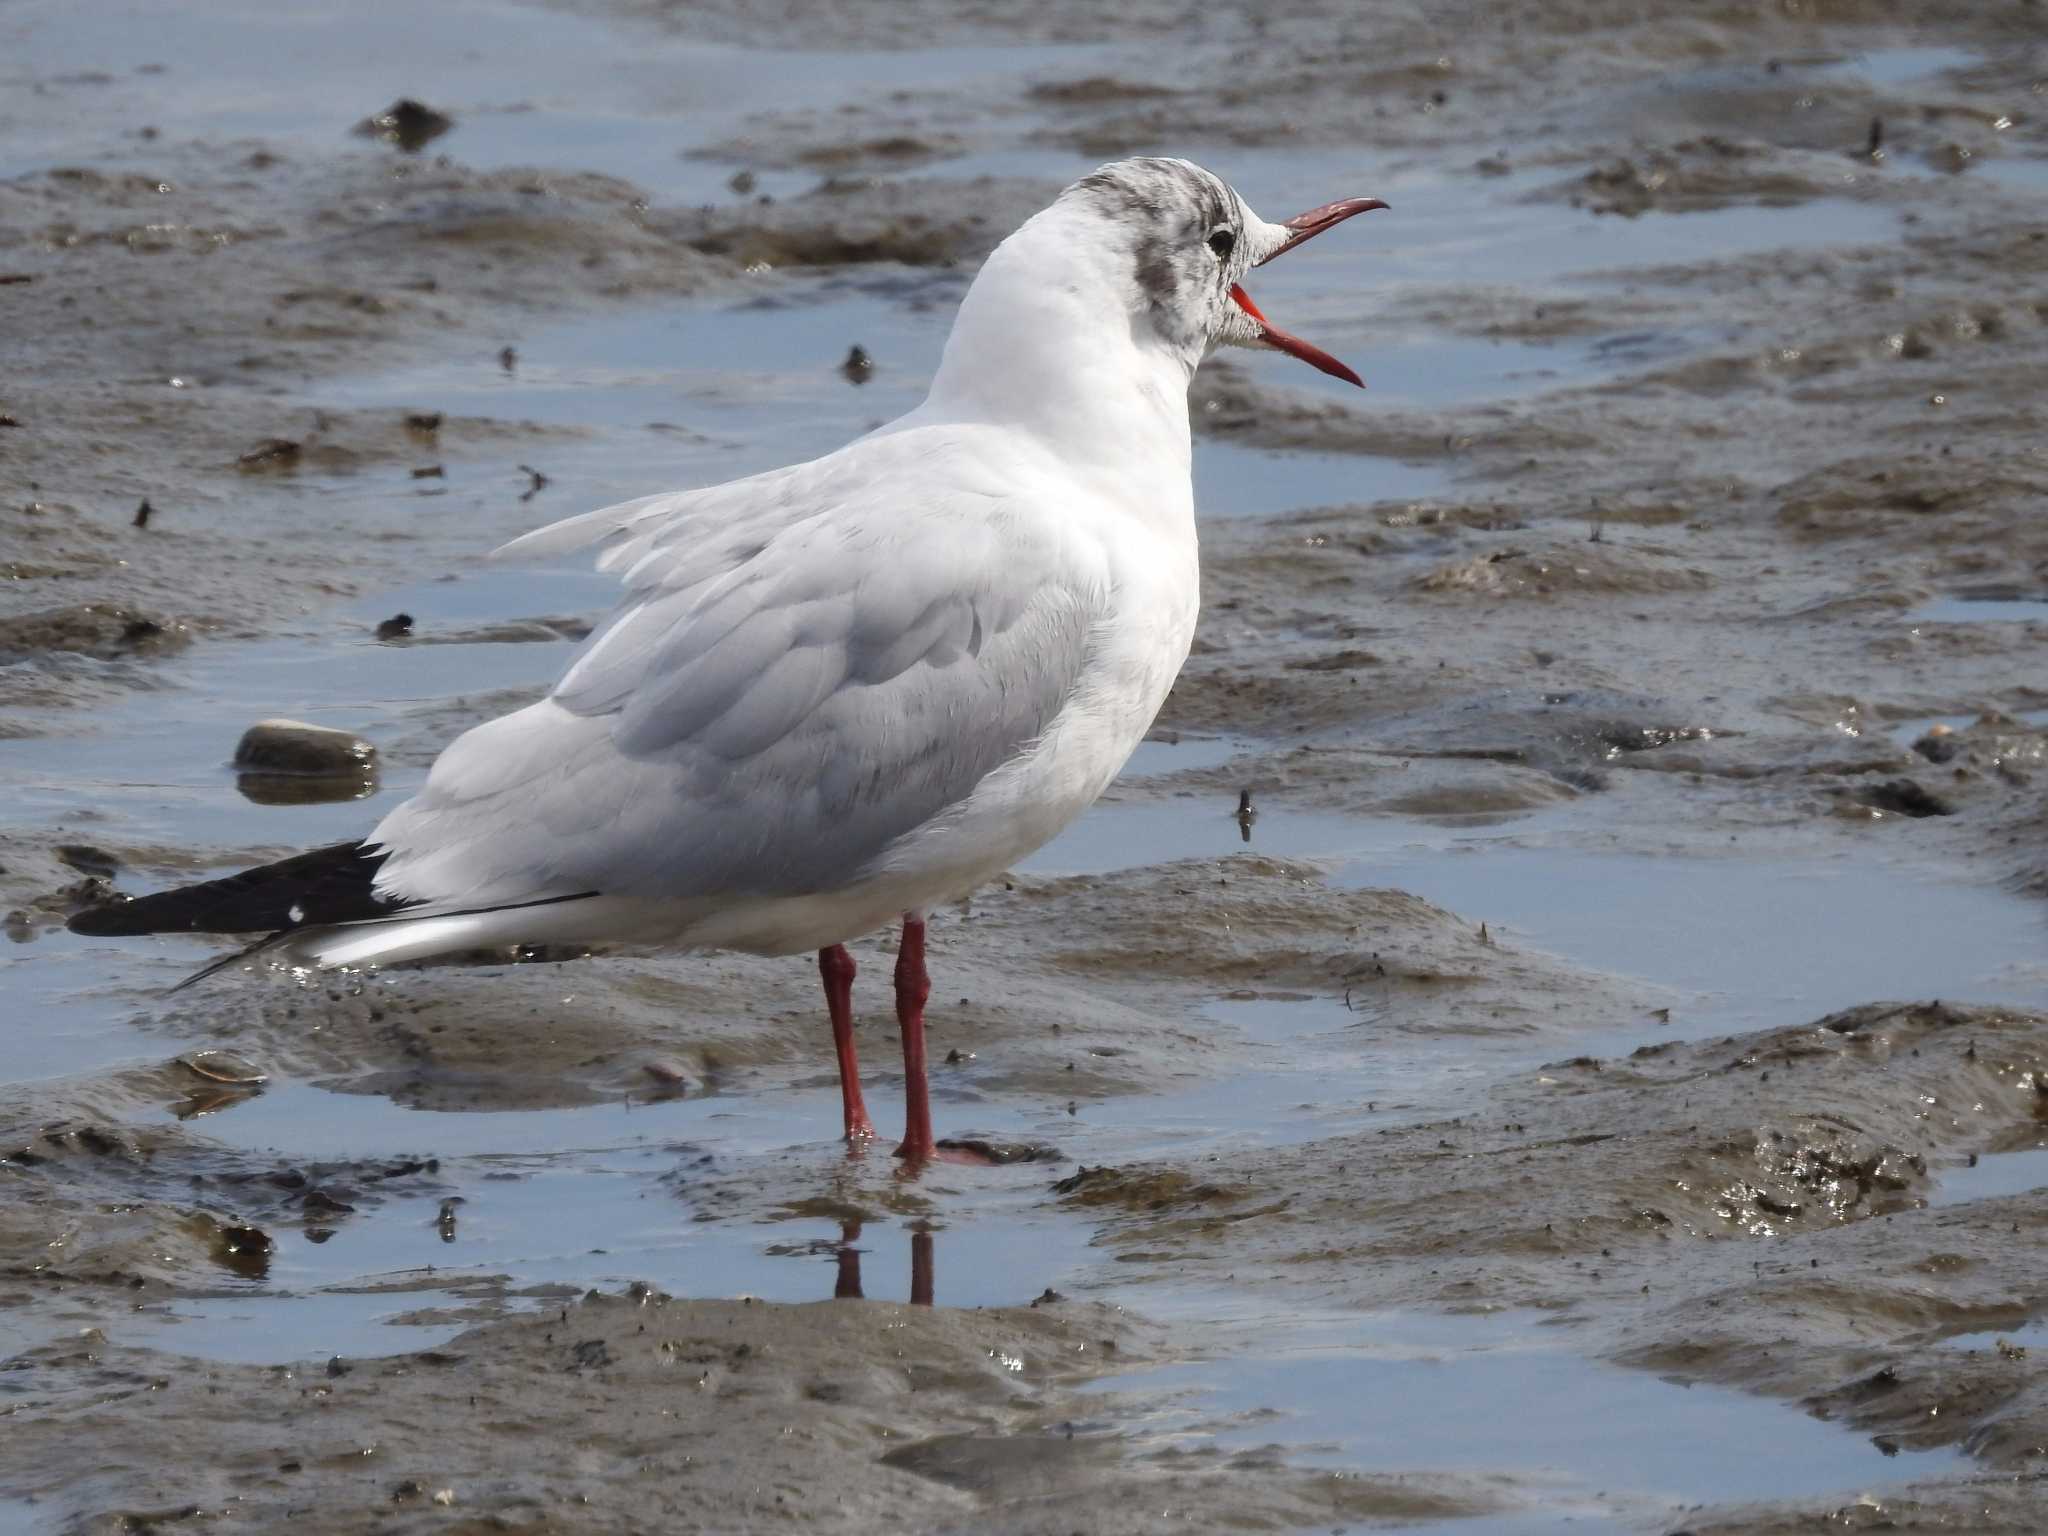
(293, 746)
(409, 124)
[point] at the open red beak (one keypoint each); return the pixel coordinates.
(1305, 226)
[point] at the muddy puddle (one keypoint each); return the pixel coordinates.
(1479, 1069)
(1981, 610)
(1608, 1446)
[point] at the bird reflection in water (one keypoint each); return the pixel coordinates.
(846, 1287)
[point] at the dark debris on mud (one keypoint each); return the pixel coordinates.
(1672, 597)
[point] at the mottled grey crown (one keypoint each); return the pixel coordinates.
(1171, 211)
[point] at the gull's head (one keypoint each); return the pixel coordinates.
(1179, 241)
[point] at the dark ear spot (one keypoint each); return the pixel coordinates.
(1157, 279)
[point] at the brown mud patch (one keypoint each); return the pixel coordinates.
(1993, 1505)
(701, 1414)
(1673, 599)
(1750, 1210)
(850, 220)
(171, 392)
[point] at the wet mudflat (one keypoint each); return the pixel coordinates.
(1598, 1085)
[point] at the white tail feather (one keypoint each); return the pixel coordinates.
(388, 942)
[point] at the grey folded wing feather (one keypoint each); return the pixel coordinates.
(807, 666)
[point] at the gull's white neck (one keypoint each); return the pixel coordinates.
(1045, 343)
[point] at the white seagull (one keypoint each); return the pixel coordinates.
(840, 693)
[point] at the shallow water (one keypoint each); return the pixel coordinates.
(1750, 943)
(641, 372)
(1902, 66)
(1379, 1393)
(2028, 1336)
(1315, 1067)
(681, 393)
(1437, 371)
(1980, 610)
(1994, 1176)
(1171, 752)
(532, 87)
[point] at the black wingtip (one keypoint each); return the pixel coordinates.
(108, 920)
(336, 884)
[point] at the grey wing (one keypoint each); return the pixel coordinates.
(776, 702)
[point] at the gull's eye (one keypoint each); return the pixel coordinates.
(1223, 242)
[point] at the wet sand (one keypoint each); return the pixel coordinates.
(1599, 1087)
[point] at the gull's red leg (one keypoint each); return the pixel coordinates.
(913, 988)
(837, 968)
